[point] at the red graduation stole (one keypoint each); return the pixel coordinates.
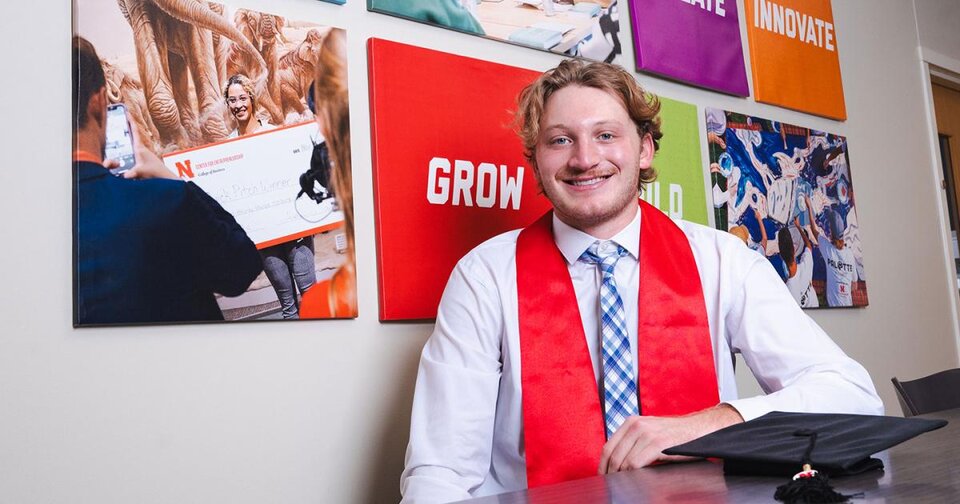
(563, 420)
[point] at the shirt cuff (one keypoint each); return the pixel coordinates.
(751, 407)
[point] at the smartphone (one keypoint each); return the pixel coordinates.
(119, 143)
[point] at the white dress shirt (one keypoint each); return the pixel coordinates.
(466, 433)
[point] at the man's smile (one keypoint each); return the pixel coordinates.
(588, 182)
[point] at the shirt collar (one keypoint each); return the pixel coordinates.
(85, 156)
(573, 243)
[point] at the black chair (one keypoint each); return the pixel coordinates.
(937, 392)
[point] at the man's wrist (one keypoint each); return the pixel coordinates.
(725, 415)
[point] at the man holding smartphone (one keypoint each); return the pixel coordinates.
(148, 247)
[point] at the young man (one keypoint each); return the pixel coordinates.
(148, 247)
(533, 376)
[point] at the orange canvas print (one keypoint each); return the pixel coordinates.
(794, 55)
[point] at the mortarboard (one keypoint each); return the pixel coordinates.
(775, 444)
(822, 444)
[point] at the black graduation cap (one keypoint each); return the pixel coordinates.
(776, 444)
(809, 446)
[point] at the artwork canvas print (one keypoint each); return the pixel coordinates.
(446, 178)
(586, 29)
(794, 55)
(224, 100)
(678, 190)
(691, 41)
(454, 175)
(787, 192)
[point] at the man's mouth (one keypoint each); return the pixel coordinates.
(587, 182)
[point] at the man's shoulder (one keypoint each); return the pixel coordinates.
(164, 193)
(707, 236)
(489, 266)
(498, 249)
(150, 193)
(716, 249)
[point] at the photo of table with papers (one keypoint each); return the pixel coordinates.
(588, 29)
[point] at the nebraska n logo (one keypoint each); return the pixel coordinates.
(184, 169)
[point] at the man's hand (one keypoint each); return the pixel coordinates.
(640, 440)
(148, 165)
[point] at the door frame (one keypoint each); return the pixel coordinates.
(942, 68)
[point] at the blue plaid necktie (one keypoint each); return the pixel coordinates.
(619, 387)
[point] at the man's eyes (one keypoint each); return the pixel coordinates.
(603, 137)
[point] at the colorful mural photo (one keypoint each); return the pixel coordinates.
(787, 192)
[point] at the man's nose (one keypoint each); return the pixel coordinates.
(585, 155)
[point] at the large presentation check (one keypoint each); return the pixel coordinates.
(257, 179)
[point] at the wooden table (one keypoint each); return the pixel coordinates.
(500, 19)
(922, 470)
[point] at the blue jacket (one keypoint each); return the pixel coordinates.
(148, 251)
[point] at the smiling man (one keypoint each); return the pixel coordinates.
(533, 376)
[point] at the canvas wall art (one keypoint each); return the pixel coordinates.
(224, 100)
(794, 55)
(586, 29)
(787, 192)
(447, 177)
(679, 189)
(694, 41)
(453, 174)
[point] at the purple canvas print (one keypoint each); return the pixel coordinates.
(695, 41)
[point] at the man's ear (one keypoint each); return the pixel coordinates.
(646, 151)
(97, 107)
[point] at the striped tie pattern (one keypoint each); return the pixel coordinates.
(619, 386)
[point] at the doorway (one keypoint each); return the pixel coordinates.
(946, 103)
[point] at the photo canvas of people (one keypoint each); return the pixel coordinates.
(211, 165)
(787, 192)
(572, 27)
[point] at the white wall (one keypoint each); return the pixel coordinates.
(938, 24)
(318, 411)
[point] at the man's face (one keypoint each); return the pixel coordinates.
(589, 156)
(239, 102)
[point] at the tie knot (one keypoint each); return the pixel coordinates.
(606, 254)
